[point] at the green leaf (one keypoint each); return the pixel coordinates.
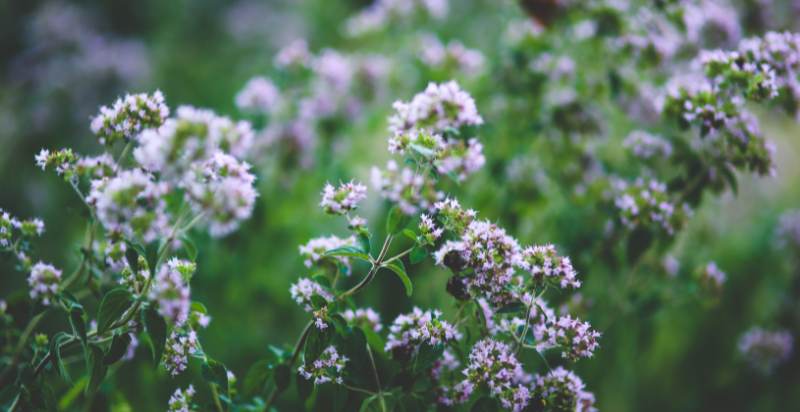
(410, 234)
(216, 373)
(156, 328)
(77, 320)
(190, 247)
(400, 270)
(349, 251)
(256, 378)
(55, 354)
(283, 377)
(112, 307)
(374, 403)
(117, 349)
(426, 356)
(97, 369)
(484, 404)
(316, 343)
(396, 221)
(363, 240)
(417, 255)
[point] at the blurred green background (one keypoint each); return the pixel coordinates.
(676, 354)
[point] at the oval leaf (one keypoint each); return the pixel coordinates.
(156, 328)
(112, 307)
(399, 270)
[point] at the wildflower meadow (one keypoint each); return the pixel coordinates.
(400, 205)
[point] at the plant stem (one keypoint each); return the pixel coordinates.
(20, 347)
(297, 348)
(372, 270)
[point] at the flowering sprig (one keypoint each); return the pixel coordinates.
(128, 116)
(327, 368)
(764, 350)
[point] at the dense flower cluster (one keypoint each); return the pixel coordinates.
(12, 228)
(765, 350)
(440, 107)
(647, 204)
(222, 188)
(44, 281)
(128, 116)
(575, 337)
(409, 331)
(171, 291)
(181, 400)
(132, 203)
(493, 364)
(192, 135)
(180, 345)
(547, 267)
(313, 298)
(313, 252)
(327, 368)
(343, 198)
(366, 317)
(410, 190)
(562, 390)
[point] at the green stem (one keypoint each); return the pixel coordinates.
(372, 270)
(23, 339)
(295, 354)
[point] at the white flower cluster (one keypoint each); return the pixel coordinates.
(131, 203)
(179, 346)
(409, 331)
(576, 338)
(440, 107)
(304, 292)
(765, 350)
(449, 156)
(562, 390)
(10, 225)
(193, 135)
(376, 16)
(366, 317)
(223, 189)
(44, 281)
(259, 95)
(327, 368)
(452, 56)
(128, 116)
(646, 145)
(428, 231)
(313, 252)
(546, 266)
(171, 290)
(411, 191)
(343, 198)
(493, 364)
(648, 204)
(181, 400)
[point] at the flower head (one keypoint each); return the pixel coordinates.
(408, 332)
(171, 290)
(343, 198)
(764, 350)
(329, 367)
(44, 281)
(128, 116)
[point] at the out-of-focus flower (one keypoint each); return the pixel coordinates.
(131, 203)
(44, 281)
(259, 95)
(646, 146)
(313, 252)
(765, 350)
(409, 190)
(366, 317)
(181, 400)
(439, 108)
